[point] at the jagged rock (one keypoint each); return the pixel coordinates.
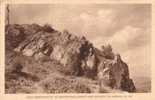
(114, 73)
(14, 35)
(47, 28)
(76, 55)
(31, 28)
(89, 64)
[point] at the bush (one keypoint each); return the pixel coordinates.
(17, 67)
(107, 50)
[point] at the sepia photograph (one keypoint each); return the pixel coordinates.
(77, 48)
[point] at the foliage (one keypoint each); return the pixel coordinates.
(107, 50)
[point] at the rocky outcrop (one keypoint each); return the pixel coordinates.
(76, 55)
(115, 73)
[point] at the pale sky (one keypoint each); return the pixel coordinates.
(126, 27)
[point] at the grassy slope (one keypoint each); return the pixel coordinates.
(42, 77)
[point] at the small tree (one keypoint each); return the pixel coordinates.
(107, 50)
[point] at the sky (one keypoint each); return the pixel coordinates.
(127, 27)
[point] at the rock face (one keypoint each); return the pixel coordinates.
(114, 73)
(76, 54)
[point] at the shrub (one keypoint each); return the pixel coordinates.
(107, 50)
(17, 67)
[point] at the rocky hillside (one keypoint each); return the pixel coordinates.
(40, 59)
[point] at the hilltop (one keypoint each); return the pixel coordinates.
(40, 59)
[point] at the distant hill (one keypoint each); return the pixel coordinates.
(143, 84)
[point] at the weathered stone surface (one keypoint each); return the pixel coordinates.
(14, 35)
(76, 54)
(114, 73)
